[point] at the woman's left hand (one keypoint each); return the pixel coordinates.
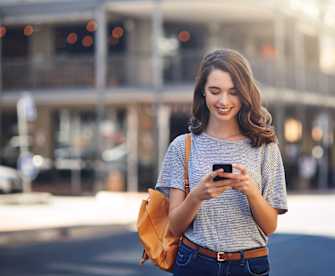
(242, 182)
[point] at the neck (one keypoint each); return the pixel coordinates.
(223, 130)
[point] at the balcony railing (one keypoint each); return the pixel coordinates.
(74, 72)
(136, 70)
(58, 72)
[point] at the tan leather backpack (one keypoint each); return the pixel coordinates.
(160, 245)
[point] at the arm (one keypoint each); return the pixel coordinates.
(264, 214)
(183, 210)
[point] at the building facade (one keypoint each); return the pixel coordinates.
(113, 80)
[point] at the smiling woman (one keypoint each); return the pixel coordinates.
(227, 73)
(225, 223)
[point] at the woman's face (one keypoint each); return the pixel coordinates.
(222, 98)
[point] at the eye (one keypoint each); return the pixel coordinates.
(214, 91)
(233, 92)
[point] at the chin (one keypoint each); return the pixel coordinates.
(228, 117)
(225, 118)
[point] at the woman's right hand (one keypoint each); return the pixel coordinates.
(208, 188)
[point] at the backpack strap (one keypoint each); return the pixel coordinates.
(188, 142)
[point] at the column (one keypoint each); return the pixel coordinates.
(139, 48)
(157, 27)
(157, 33)
(43, 141)
(279, 122)
(132, 148)
(299, 57)
(101, 47)
(100, 84)
(213, 36)
(41, 55)
(303, 183)
(279, 42)
(164, 129)
(42, 45)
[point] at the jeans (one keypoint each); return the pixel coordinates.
(190, 262)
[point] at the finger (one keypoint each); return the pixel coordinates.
(213, 174)
(217, 191)
(223, 189)
(224, 183)
(241, 186)
(241, 168)
(235, 176)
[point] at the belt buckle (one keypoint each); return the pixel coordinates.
(220, 256)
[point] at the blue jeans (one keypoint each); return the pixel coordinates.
(190, 262)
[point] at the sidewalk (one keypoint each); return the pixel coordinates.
(66, 216)
(109, 211)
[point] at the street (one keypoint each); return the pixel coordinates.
(100, 238)
(118, 254)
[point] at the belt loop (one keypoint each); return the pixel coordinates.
(195, 254)
(242, 262)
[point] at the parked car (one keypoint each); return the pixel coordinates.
(10, 180)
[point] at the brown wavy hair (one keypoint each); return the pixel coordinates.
(253, 119)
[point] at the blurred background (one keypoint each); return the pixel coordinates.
(93, 91)
(108, 84)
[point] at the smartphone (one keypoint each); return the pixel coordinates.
(226, 167)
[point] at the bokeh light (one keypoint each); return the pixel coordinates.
(292, 130)
(3, 31)
(184, 36)
(117, 32)
(87, 41)
(72, 38)
(28, 30)
(91, 26)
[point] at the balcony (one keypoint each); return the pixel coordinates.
(135, 70)
(74, 72)
(60, 72)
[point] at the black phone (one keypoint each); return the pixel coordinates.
(226, 167)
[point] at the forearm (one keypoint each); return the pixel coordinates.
(182, 216)
(264, 214)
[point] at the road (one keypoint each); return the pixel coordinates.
(304, 244)
(117, 255)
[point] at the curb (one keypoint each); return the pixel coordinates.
(25, 198)
(26, 237)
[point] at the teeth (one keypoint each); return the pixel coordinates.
(224, 109)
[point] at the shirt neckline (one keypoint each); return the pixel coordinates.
(242, 140)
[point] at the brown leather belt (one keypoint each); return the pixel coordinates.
(227, 256)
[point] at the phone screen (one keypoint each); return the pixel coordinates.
(226, 167)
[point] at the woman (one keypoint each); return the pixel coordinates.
(225, 224)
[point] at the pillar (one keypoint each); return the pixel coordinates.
(132, 148)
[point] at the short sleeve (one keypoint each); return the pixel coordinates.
(273, 178)
(171, 174)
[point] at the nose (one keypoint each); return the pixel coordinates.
(223, 98)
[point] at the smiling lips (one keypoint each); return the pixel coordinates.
(224, 110)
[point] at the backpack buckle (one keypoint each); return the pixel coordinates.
(220, 256)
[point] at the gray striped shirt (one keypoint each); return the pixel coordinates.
(225, 223)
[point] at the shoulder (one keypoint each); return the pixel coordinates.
(272, 147)
(178, 143)
(177, 146)
(271, 154)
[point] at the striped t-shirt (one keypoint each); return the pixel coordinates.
(225, 223)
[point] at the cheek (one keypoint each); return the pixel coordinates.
(209, 101)
(238, 103)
